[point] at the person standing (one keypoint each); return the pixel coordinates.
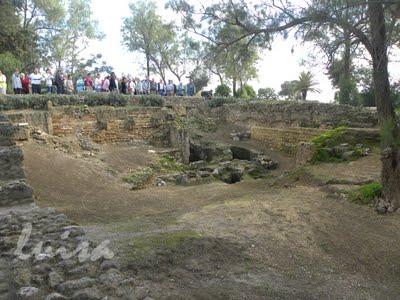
(180, 89)
(80, 85)
(36, 81)
(49, 81)
(113, 83)
(124, 85)
(88, 82)
(161, 88)
(69, 85)
(170, 88)
(60, 82)
(97, 83)
(139, 87)
(106, 84)
(3, 83)
(190, 88)
(16, 82)
(25, 83)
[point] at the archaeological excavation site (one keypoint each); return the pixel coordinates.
(187, 198)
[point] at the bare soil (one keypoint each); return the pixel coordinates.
(280, 238)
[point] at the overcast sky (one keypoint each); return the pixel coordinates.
(275, 66)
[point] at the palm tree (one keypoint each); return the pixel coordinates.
(306, 84)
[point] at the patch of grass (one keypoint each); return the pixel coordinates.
(366, 193)
(141, 247)
(140, 178)
(168, 163)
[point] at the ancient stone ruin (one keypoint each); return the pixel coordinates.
(182, 144)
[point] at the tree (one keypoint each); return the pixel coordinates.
(306, 84)
(144, 32)
(39, 21)
(268, 18)
(267, 93)
(222, 90)
(200, 77)
(289, 90)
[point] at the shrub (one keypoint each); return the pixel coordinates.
(366, 193)
(247, 92)
(328, 149)
(222, 90)
(267, 93)
(220, 101)
(151, 100)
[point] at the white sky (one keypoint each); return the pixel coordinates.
(275, 66)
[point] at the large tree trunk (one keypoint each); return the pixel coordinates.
(387, 118)
(234, 86)
(346, 76)
(148, 64)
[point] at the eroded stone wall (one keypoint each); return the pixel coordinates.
(283, 114)
(13, 187)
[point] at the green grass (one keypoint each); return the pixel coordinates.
(329, 138)
(141, 247)
(366, 193)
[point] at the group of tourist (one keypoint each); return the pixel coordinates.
(65, 84)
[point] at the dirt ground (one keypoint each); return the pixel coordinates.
(277, 238)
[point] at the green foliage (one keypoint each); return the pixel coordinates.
(306, 84)
(330, 138)
(267, 93)
(289, 90)
(145, 32)
(222, 91)
(326, 146)
(246, 92)
(8, 63)
(168, 163)
(151, 100)
(366, 193)
(221, 101)
(140, 178)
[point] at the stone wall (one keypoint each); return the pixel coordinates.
(288, 139)
(285, 140)
(284, 114)
(13, 187)
(102, 124)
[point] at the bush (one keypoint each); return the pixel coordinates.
(267, 93)
(328, 149)
(220, 101)
(222, 91)
(151, 100)
(247, 92)
(366, 193)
